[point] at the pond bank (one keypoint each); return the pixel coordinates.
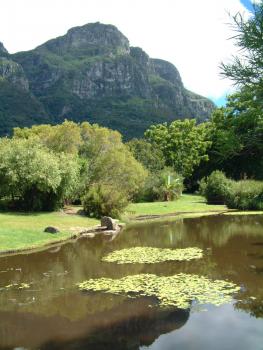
(90, 233)
(24, 232)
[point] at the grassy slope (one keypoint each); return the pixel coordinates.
(24, 231)
(187, 203)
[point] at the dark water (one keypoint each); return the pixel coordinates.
(53, 314)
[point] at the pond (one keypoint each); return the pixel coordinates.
(41, 306)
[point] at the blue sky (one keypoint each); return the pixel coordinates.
(247, 4)
(220, 101)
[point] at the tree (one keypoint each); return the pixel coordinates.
(183, 144)
(65, 137)
(247, 68)
(33, 177)
(151, 157)
(113, 175)
(237, 130)
(104, 164)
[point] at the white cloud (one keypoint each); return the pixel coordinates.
(191, 34)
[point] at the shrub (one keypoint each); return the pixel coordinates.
(102, 199)
(215, 187)
(165, 185)
(245, 195)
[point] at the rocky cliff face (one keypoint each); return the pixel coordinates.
(18, 106)
(92, 39)
(3, 50)
(13, 73)
(92, 73)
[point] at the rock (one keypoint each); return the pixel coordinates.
(3, 50)
(109, 223)
(51, 229)
(13, 73)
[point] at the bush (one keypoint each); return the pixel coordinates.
(165, 185)
(215, 188)
(102, 199)
(245, 195)
(242, 195)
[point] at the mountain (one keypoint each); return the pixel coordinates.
(18, 106)
(91, 73)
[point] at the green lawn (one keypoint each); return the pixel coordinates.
(187, 203)
(25, 231)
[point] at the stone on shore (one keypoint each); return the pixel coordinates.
(109, 223)
(51, 229)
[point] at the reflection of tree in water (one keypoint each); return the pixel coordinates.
(216, 230)
(128, 335)
(252, 298)
(221, 229)
(124, 327)
(253, 306)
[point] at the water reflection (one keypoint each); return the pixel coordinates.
(53, 314)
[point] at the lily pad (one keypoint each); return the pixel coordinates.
(17, 286)
(150, 255)
(178, 290)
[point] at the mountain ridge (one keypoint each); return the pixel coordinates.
(92, 73)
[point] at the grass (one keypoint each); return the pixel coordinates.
(25, 231)
(187, 203)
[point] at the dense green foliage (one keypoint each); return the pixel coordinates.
(34, 178)
(65, 137)
(242, 195)
(151, 157)
(43, 167)
(183, 143)
(113, 175)
(163, 185)
(215, 187)
(245, 195)
(103, 199)
(236, 132)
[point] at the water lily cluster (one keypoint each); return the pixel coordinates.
(17, 286)
(171, 291)
(150, 255)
